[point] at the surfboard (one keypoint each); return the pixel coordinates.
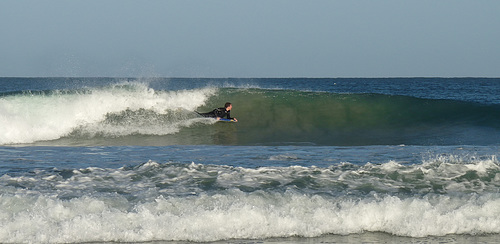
(227, 120)
(221, 119)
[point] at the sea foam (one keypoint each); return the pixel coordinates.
(235, 214)
(31, 117)
(197, 202)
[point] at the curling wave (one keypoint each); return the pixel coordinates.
(133, 113)
(120, 109)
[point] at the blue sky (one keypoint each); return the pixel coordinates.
(252, 38)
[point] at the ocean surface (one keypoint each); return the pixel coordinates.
(378, 160)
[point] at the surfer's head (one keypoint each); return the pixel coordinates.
(228, 106)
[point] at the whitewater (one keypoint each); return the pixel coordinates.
(31, 116)
(310, 160)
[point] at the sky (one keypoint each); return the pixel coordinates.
(250, 38)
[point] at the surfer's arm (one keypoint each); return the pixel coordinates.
(228, 116)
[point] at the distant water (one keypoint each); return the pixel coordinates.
(310, 160)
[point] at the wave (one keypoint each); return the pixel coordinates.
(128, 112)
(197, 202)
(116, 110)
(360, 119)
(238, 215)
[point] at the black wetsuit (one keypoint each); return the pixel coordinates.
(218, 112)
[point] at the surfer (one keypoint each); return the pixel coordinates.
(219, 113)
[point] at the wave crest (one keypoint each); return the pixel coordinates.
(31, 117)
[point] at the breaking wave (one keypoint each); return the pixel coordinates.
(267, 117)
(196, 202)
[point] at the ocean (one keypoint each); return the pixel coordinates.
(330, 160)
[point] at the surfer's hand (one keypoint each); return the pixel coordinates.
(217, 118)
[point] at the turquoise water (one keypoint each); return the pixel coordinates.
(310, 160)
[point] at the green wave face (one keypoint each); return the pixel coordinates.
(281, 116)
